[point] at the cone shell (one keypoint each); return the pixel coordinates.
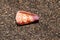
(23, 17)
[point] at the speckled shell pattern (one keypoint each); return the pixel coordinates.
(23, 17)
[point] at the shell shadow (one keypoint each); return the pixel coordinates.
(29, 23)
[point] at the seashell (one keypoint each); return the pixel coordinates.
(23, 17)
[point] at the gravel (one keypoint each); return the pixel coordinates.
(48, 27)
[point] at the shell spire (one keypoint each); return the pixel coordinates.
(23, 17)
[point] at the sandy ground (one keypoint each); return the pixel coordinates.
(48, 27)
